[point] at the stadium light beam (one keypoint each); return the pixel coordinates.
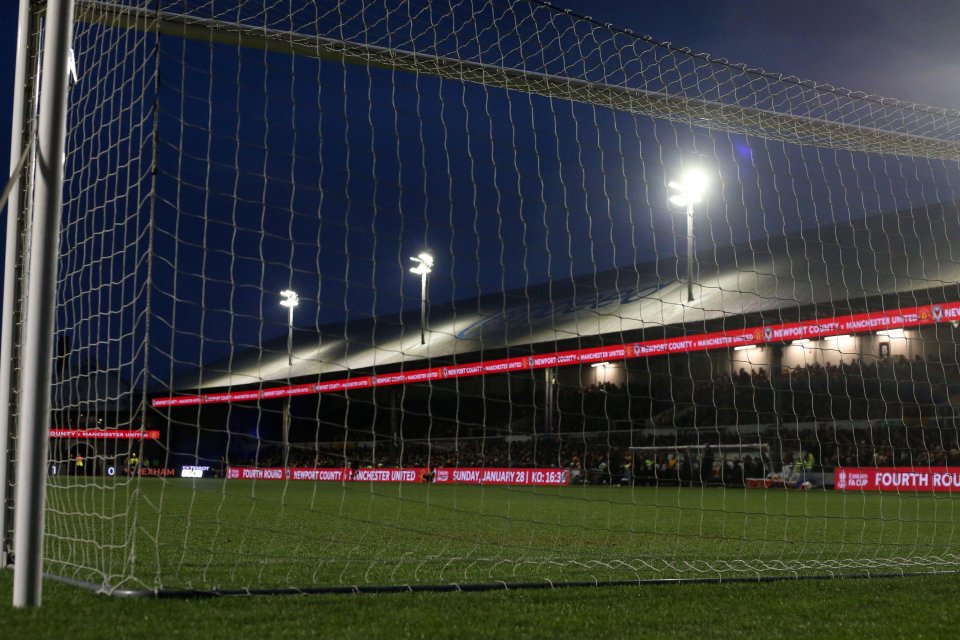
(690, 191)
(423, 265)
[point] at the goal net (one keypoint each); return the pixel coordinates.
(362, 295)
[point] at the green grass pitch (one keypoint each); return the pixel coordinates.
(210, 534)
(215, 535)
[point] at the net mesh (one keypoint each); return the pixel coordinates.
(548, 403)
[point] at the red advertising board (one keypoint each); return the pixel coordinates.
(335, 474)
(773, 333)
(487, 475)
(105, 434)
(898, 479)
(389, 474)
(441, 475)
(254, 473)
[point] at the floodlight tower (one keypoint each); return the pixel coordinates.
(423, 265)
(290, 301)
(690, 191)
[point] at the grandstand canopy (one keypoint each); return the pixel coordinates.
(883, 262)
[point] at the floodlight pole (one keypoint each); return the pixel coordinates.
(424, 265)
(423, 308)
(547, 454)
(286, 401)
(34, 402)
(776, 380)
(689, 252)
(690, 190)
(290, 336)
(290, 301)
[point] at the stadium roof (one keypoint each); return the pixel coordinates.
(880, 262)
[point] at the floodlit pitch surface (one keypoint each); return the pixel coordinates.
(216, 535)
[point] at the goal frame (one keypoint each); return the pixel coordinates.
(36, 192)
(33, 394)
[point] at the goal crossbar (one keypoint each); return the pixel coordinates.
(694, 111)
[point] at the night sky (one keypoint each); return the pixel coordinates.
(884, 47)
